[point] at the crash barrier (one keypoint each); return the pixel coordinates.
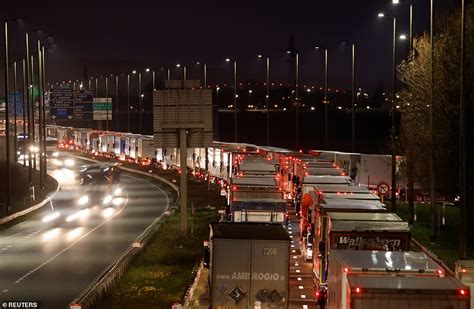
(191, 288)
(32, 208)
(110, 276)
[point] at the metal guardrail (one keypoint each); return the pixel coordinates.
(107, 279)
(32, 208)
(190, 288)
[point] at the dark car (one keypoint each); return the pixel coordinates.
(100, 175)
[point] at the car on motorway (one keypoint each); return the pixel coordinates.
(99, 174)
(91, 200)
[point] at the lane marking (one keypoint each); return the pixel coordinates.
(90, 232)
(70, 246)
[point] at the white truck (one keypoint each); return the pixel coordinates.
(398, 280)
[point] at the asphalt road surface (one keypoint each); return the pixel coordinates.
(53, 264)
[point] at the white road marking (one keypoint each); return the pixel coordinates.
(300, 287)
(305, 306)
(90, 232)
(299, 278)
(303, 296)
(298, 271)
(70, 246)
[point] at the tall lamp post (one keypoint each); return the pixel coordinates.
(267, 96)
(235, 97)
(392, 135)
(462, 147)
(353, 98)
(432, 138)
(325, 100)
(410, 164)
(7, 123)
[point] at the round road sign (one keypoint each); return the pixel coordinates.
(383, 188)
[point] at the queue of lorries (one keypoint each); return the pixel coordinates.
(361, 255)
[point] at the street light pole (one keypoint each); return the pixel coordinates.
(326, 101)
(24, 114)
(107, 97)
(432, 139)
(41, 120)
(205, 76)
(140, 99)
(14, 108)
(297, 118)
(33, 114)
(353, 99)
(128, 102)
(462, 147)
(29, 108)
(7, 124)
(43, 111)
(116, 102)
(394, 162)
(267, 97)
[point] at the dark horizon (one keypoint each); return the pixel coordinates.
(154, 35)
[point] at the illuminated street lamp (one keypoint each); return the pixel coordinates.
(393, 109)
(235, 97)
(267, 96)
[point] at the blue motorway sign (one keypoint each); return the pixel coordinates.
(83, 104)
(18, 98)
(69, 104)
(61, 104)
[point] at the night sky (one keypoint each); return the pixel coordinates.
(116, 37)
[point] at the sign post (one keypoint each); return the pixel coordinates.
(182, 118)
(383, 189)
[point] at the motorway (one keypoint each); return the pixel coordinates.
(54, 264)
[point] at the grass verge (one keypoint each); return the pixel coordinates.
(159, 275)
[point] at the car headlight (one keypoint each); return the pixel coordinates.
(107, 199)
(69, 162)
(51, 217)
(83, 200)
(55, 154)
(118, 201)
(80, 214)
(118, 191)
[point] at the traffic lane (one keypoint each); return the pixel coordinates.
(74, 267)
(69, 188)
(301, 293)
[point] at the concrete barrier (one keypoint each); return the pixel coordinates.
(19, 214)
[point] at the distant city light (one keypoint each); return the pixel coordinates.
(147, 70)
(227, 60)
(381, 15)
(403, 37)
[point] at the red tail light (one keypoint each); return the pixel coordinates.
(346, 270)
(463, 292)
(358, 290)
